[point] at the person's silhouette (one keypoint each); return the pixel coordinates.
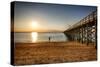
(49, 39)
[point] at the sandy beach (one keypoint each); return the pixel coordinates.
(53, 52)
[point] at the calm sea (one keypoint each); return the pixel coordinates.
(39, 37)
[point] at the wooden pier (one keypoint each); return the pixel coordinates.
(84, 31)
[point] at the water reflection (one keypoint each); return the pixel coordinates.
(34, 36)
(39, 37)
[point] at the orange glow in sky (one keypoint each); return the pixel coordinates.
(38, 17)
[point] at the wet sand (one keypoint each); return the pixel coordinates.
(53, 52)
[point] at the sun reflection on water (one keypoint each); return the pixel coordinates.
(34, 36)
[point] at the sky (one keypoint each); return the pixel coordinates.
(39, 17)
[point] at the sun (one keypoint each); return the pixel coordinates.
(34, 24)
(34, 36)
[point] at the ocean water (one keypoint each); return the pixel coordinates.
(39, 37)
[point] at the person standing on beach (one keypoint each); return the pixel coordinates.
(49, 39)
